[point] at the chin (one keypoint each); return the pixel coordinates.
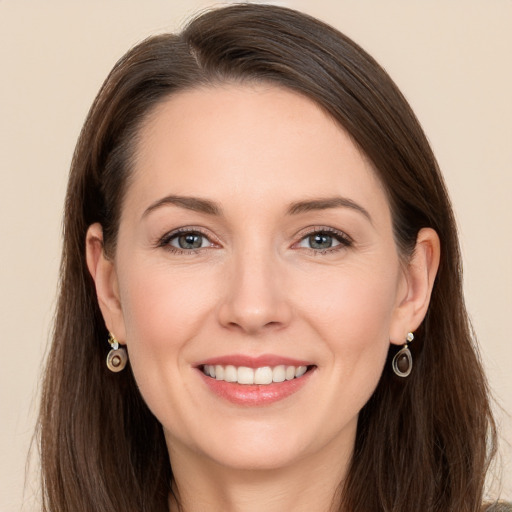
(266, 446)
(255, 457)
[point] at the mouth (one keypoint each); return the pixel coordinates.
(263, 375)
(255, 381)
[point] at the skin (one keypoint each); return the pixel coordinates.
(257, 286)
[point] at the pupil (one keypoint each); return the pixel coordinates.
(320, 241)
(190, 241)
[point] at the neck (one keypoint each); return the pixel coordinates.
(312, 483)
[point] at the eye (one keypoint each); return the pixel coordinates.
(319, 241)
(185, 240)
(189, 241)
(324, 240)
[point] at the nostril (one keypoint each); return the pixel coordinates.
(254, 300)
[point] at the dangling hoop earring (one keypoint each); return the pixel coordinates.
(117, 357)
(402, 362)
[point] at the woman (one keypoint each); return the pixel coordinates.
(259, 242)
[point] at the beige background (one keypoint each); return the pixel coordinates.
(452, 59)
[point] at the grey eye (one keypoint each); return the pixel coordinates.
(189, 241)
(319, 241)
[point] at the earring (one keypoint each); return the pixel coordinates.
(402, 362)
(117, 357)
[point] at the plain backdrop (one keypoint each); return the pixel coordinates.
(452, 59)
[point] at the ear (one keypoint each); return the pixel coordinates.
(416, 287)
(103, 272)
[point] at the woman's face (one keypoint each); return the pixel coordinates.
(255, 242)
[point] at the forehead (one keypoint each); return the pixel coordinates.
(255, 141)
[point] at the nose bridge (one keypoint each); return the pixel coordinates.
(254, 297)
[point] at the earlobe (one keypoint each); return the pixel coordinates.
(420, 274)
(103, 272)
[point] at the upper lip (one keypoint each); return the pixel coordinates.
(254, 362)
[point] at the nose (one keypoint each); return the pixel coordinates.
(255, 299)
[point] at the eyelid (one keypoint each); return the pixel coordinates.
(342, 237)
(164, 241)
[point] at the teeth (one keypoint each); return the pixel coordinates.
(245, 375)
(219, 372)
(279, 373)
(300, 371)
(230, 374)
(263, 375)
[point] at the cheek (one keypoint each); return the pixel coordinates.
(352, 313)
(162, 303)
(162, 311)
(354, 301)
(357, 314)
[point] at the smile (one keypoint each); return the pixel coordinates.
(264, 375)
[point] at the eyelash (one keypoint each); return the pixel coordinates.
(344, 241)
(165, 241)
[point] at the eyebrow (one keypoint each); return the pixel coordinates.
(211, 208)
(190, 203)
(325, 204)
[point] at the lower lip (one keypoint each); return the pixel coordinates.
(255, 394)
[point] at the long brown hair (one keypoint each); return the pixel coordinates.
(423, 443)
